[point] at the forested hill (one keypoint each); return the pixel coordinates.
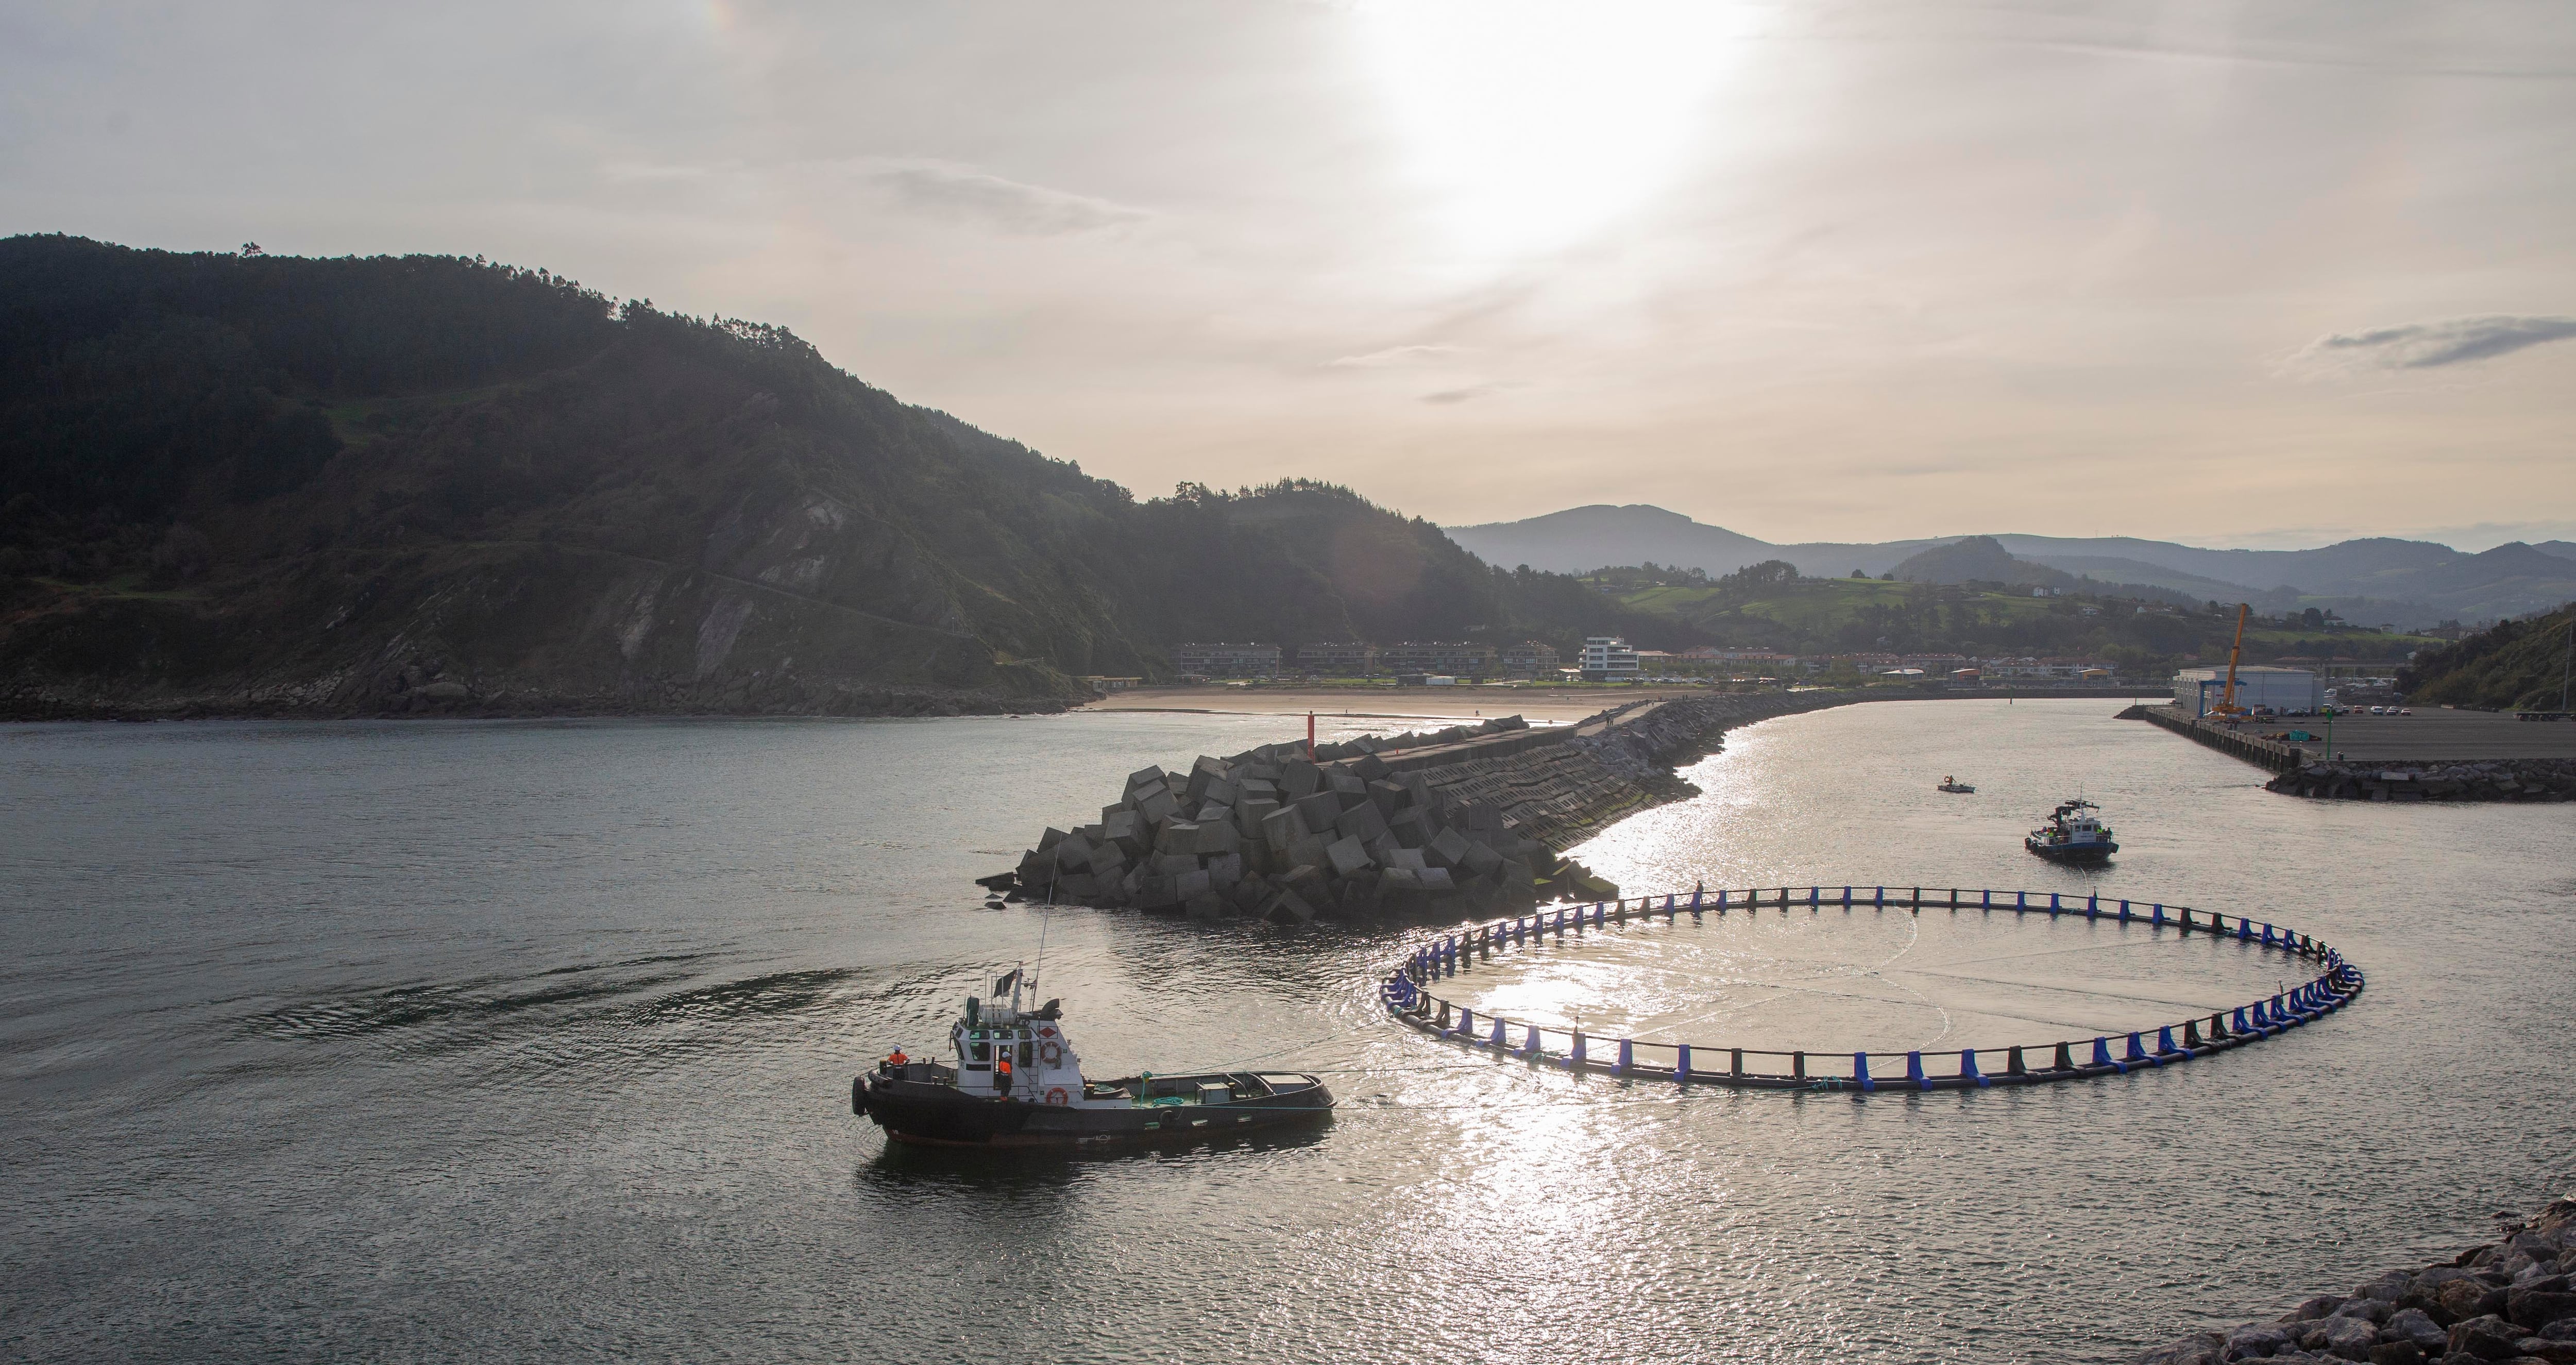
(2518, 665)
(250, 484)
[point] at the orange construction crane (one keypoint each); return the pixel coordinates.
(2227, 709)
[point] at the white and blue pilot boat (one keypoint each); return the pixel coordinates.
(1012, 1080)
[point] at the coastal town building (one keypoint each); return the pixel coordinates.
(1436, 656)
(1348, 659)
(1528, 659)
(2282, 689)
(2054, 666)
(1222, 660)
(1607, 658)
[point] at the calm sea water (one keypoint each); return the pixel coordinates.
(532, 1041)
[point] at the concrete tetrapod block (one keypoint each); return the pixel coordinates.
(1282, 828)
(1346, 856)
(1177, 836)
(1448, 848)
(1143, 777)
(1285, 906)
(1157, 808)
(1219, 790)
(1309, 851)
(1361, 822)
(1218, 836)
(1307, 880)
(1480, 859)
(1073, 851)
(1344, 784)
(1126, 829)
(1297, 778)
(1250, 812)
(1403, 857)
(1434, 879)
(1194, 882)
(1406, 825)
(1224, 870)
(1319, 809)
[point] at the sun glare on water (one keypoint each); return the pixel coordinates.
(1529, 124)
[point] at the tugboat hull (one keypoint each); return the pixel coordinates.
(931, 1114)
(2073, 855)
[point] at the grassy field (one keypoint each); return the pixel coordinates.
(1865, 615)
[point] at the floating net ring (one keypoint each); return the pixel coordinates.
(1408, 998)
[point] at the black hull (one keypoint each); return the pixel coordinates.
(2094, 855)
(942, 1116)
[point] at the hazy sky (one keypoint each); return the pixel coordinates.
(2231, 273)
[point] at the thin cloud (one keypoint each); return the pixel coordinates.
(1392, 355)
(948, 189)
(2456, 341)
(1468, 394)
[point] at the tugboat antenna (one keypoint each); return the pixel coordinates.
(1043, 916)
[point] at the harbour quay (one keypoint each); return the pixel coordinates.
(2436, 754)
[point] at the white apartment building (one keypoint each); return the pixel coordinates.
(1607, 658)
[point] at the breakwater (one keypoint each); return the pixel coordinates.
(1407, 994)
(2301, 772)
(1467, 819)
(2272, 754)
(2526, 779)
(2506, 1300)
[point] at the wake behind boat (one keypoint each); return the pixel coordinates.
(2073, 835)
(1015, 1082)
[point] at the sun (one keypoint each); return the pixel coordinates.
(1530, 125)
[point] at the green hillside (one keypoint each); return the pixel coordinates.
(2517, 665)
(1769, 606)
(255, 484)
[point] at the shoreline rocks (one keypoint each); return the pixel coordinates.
(2507, 1301)
(2521, 779)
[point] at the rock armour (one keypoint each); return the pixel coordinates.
(2508, 1300)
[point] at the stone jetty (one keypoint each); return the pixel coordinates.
(2506, 1301)
(2523, 779)
(1465, 820)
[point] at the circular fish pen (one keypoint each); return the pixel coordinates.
(1408, 994)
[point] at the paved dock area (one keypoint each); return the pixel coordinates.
(2435, 733)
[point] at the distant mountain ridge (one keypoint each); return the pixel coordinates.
(2408, 582)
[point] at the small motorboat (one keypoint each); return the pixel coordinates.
(1014, 1081)
(2073, 835)
(1952, 784)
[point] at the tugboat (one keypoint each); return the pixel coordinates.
(2073, 836)
(1015, 1082)
(1952, 784)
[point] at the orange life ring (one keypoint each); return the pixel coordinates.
(1056, 1095)
(1050, 1052)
